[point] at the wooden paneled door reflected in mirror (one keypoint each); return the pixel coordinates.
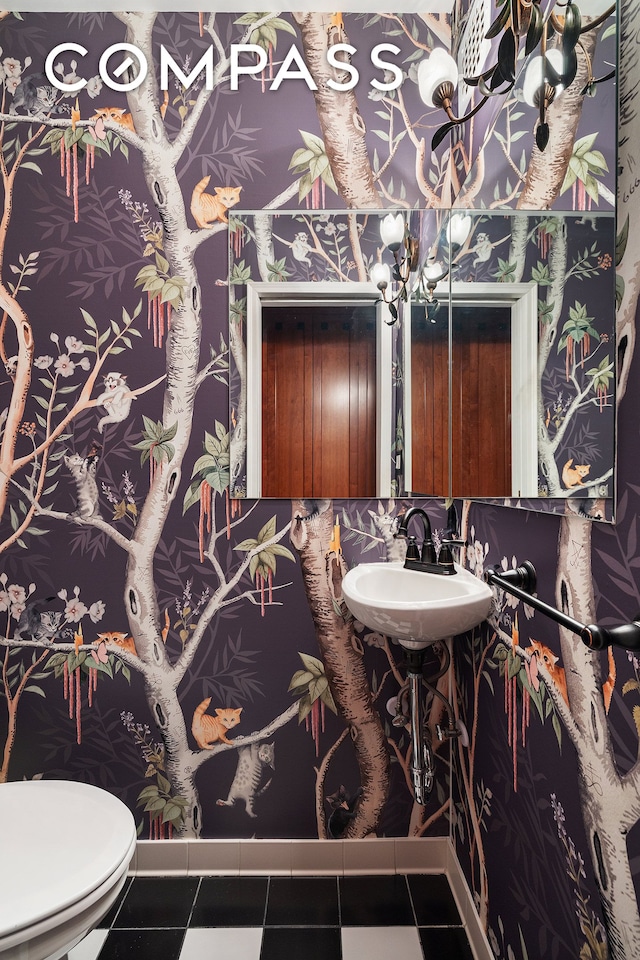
(480, 366)
(481, 401)
(318, 380)
(319, 400)
(471, 372)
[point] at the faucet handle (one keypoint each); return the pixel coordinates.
(412, 549)
(445, 557)
(428, 553)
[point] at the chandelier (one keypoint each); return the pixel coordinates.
(555, 37)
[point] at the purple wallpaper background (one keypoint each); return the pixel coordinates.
(163, 592)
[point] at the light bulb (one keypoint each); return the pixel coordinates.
(438, 68)
(433, 271)
(458, 228)
(534, 77)
(392, 230)
(380, 274)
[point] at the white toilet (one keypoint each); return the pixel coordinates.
(64, 852)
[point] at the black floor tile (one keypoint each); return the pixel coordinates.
(439, 942)
(157, 902)
(375, 902)
(311, 943)
(433, 901)
(142, 944)
(230, 902)
(107, 920)
(303, 901)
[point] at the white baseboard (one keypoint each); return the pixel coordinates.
(314, 858)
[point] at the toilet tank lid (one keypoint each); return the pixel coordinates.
(59, 841)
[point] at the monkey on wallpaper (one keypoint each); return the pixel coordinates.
(116, 399)
(300, 248)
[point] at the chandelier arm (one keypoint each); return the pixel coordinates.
(515, 18)
(598, 20)
(499, 91)
(471, 113)
(481, 78)
(542, 106)
(442, 131)
(594, 80)
(588, 59)
(556, 23)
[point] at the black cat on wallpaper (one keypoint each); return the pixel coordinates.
(343, 810)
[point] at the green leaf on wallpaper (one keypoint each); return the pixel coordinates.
(88, 319)
(513, 666)
(312, 664)
(621, 241)
(317, 687)
(540, 273)
(501, 652)
(557, 729)
(523, 946)
(240, 274)
(636, 718)
(301, 678)
(487, 676)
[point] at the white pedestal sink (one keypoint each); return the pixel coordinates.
(416, 607)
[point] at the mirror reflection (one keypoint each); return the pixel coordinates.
(488, 374)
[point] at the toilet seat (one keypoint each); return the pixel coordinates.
(64, 856)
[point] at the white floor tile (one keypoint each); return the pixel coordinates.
(206, 943)
(90, 947)
(380, 943)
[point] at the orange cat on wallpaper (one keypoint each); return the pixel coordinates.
(117, 114)
(572, 476)
(207, 208)
(122, 640)
(550, 661)
(207, 729)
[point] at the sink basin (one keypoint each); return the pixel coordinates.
(417, 608)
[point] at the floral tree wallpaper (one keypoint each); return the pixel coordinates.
(190, 651)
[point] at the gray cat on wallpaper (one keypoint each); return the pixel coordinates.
(254, 761)
(42, 625)
(36, 97)
(83, 471)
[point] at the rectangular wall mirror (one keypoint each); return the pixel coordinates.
(496, 381)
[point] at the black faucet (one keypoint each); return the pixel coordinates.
(425, 559)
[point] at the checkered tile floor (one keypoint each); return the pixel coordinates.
(281, 918)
